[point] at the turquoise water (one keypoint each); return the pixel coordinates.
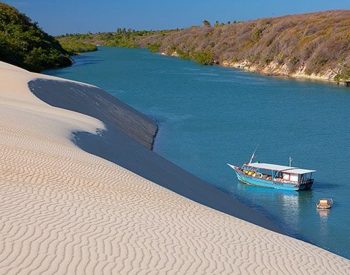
(209, 116)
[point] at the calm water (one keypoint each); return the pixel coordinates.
(209, 116)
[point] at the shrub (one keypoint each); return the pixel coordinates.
(182, 54)
(74, 46)
(24, 44)
(154, 47)
(206, 23)
(204, 58)
(344, 75)
(256, 34)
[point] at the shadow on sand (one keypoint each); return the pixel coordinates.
(127, 142)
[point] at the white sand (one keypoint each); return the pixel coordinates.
(64, 211)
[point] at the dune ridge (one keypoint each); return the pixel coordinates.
(126, 140)
(65, 211)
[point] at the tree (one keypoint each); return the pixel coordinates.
(206, 23)
(24, 44)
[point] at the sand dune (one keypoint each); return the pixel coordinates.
(126, 140)
(65, 211)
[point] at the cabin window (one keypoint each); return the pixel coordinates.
(290, 177)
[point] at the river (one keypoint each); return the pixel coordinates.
(209, 116)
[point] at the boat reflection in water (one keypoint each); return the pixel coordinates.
(323, 213)
(285, 202)
(323, 223)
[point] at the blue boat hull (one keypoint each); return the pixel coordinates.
(271, 184)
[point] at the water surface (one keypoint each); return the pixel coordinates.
(209, 116)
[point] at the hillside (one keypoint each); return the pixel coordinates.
(78, 43)
(24, 44)
(75, 45)
(315, 45)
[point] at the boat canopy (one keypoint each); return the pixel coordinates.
(300, 171)
(280, 168)
(269, 166)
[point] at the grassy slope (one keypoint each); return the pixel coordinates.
(120, 38)
(75, 45)
(24, 44)
(316, 43)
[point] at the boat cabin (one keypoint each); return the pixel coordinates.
(278, 172)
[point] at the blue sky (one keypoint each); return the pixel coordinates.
(70, 16)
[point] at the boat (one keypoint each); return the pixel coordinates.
(324, 204)
(274, 176)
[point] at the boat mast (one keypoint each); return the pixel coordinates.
(290, 161)
(253, 155)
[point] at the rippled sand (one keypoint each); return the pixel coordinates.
(64, 211)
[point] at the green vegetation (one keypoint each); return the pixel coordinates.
(154, 47)
(206, 23)
(204, 58)
(256, 34)
(182, 54)
(24, 44)
(344, 75)
(126, 38)
(75, 46)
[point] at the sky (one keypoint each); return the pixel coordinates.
(81, 16)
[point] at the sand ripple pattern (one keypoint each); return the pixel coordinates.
(64, 211)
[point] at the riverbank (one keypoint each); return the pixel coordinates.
(310, 46)
(68, 211)
(275, 69)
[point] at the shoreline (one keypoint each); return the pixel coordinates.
(65, 210)
(276, 221)
(271, 70)
(280, 71)
(158, 170)
(275, 70)
(155, 136)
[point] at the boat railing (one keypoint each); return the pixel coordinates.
(256, 174)
(307, 181)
